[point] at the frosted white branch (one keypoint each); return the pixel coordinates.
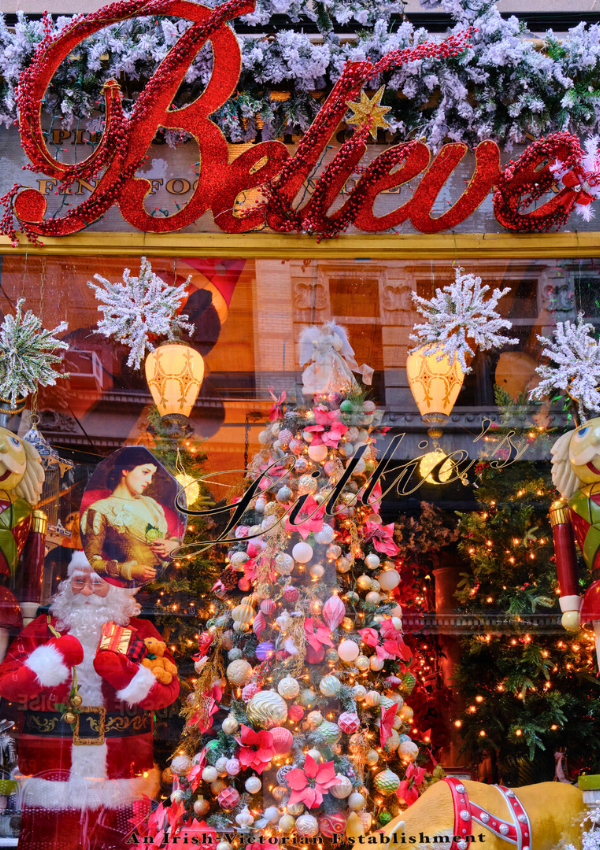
(574, 369)
(27, 357)
(140, 309)
(459, 317)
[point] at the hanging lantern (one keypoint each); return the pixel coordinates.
(174, 372)
(435, 385)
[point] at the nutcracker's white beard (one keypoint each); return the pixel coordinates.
(84, 617)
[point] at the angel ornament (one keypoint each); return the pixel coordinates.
(331, 361)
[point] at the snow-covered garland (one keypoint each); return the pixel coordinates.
(515, 87)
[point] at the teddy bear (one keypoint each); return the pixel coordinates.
(163, 669)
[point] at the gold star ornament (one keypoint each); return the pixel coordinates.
(369, 113)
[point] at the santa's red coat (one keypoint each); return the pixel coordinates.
(109, 775)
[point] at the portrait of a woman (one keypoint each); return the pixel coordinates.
(127, 536)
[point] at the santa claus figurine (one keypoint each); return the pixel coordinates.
(85, 743)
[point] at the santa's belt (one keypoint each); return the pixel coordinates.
(92, 725)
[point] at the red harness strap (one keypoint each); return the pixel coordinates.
(517, 832)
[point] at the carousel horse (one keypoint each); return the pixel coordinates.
(453, 813)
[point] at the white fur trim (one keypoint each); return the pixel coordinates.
(570, 603)
(81, 793)
(48, 665)
(88, 761)
(139, 687)
(78, 563)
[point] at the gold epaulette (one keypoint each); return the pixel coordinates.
(559, 513)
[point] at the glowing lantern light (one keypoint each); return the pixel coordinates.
(190, 485)
(435, 385)
(174, 372)
(430, 461)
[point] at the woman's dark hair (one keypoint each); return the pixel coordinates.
(128, 459)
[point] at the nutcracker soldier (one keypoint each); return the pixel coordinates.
(576, 475)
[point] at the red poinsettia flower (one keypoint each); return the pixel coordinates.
(416, 773)
(382, 537)
(194, 774)
(407, 792)
(309, 519)
(205, 723)
(317, 634)
(309, 785)
(388, 716)
(256, 749)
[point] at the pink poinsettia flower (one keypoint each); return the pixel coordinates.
(309, 785)
(374, 500)
(317, 634)
(369, 636)
(328, 429)
(332, 437)
(256, 749)
(382, 537)
(309, 519)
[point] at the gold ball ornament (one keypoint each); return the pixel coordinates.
(296, 809)
(372, 757)
(267, 709)
(76, 700)
(230, 725)
(69, 717)
(201, 806)
(243, 613)
(362, 662)
(286, 824)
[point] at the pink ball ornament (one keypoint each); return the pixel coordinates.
(334, 399)
(249, 690)
(232, 767)
(228, 798)
(333, 824)
(333, 612)
(368, 408)
(244, 584)
(282, 739)
(348, 722)
(317, 453)
(301, 465)
(348, 651)
(268, 607)
(291, 594)
(297, 446)
(285, 436)
(330, 466)
(295, 713)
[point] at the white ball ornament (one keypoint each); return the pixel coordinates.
(408, 751)
(325, 536)
(253, 785)
(314, 718)
(376, 663)
(315, 755)
(302, 552)
(264, 437)
(393, 742)
(317, 453)
(373, 698)
(334, 551)
(317, 571)
(389, 579)
(343, 788)
(359, 692)
(224, 845)
(267, 709)
(387, 782)
(307, 825)
(348, 651)
(372, 561)
(271, 813)
(375, 585)
(362, 662)
(397, 623)
(239, 672)
(342, 565)
(356, 801)
(330, 685)
(288, 687)
(181, 764)
(177, 796)
(221, 764)
(373, 598)
(372, 757)
(284, 564)
(260, 504)
(209, 774)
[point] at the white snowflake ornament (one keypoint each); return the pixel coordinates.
(575, 365)
(27, 357)
(459, 315)
(140, 309)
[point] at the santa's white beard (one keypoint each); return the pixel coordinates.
(84, 617)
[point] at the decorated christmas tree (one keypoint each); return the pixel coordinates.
(530, 686)
(298, 724)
